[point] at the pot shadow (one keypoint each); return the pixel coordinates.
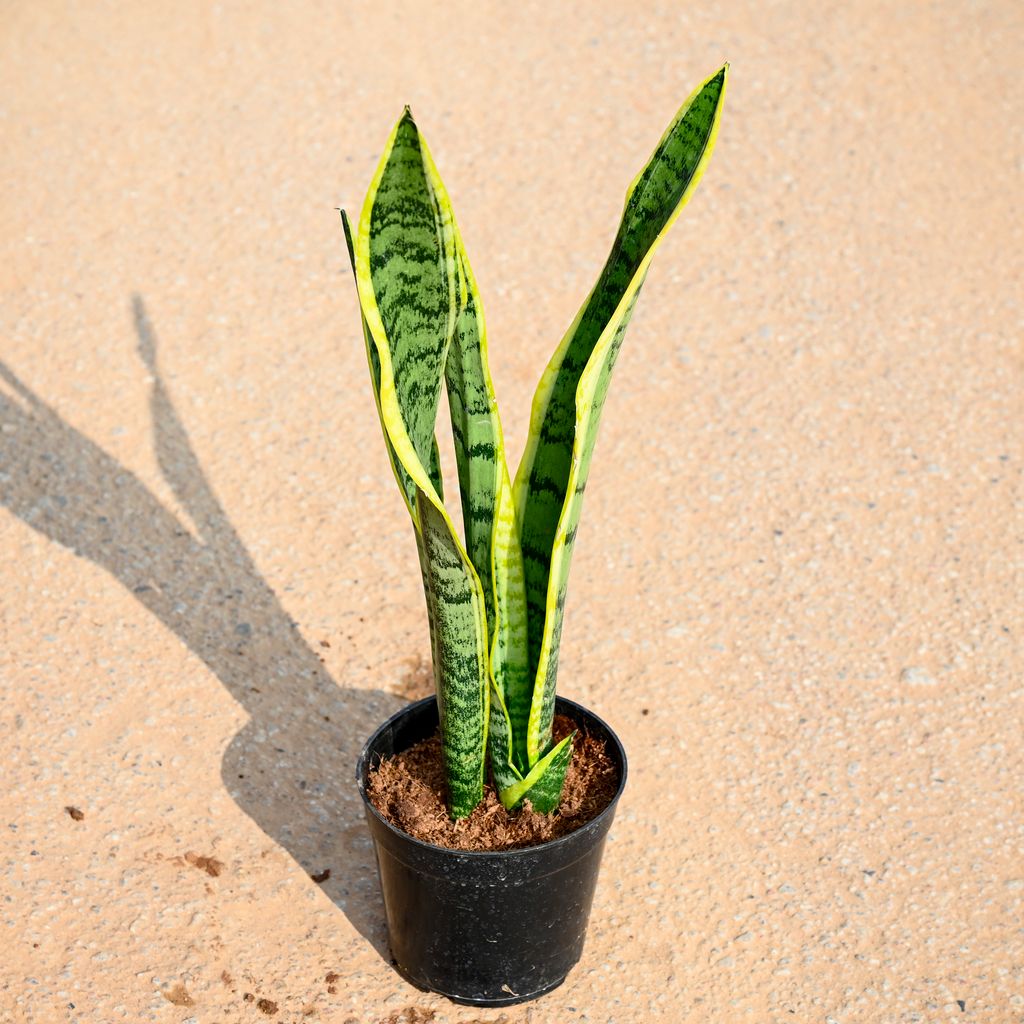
(291, 767)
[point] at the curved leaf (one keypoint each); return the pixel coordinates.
(405, 483)
(543, 784)
(568, 403)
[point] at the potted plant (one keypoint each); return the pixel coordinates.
(501, 926)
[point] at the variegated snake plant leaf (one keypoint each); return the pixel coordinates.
(495, 595)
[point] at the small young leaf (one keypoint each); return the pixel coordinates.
(543, 784)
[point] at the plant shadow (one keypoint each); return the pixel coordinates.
(291, 767)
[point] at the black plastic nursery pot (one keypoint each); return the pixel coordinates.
(485, 928)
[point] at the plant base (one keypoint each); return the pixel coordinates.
(485, 928)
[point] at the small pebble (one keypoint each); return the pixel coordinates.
(917, 676)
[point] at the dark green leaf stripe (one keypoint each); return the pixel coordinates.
(567, 406)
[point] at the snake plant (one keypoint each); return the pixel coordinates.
(495, 596)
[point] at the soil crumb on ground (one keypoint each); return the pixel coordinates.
(210, 865)
(409, 791)
(179, 996)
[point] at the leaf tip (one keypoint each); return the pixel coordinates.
(349, 243)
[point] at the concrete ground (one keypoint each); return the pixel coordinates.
(797, 589)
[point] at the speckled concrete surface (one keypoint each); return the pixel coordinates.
(796, 593)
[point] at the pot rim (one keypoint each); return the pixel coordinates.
(363, 760)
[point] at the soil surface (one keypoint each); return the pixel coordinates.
(409, 790)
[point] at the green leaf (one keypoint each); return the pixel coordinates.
(543, 784)
(435, 470)
(488, 511)
(460, 657)
(405, 482)
(567, 406)
(409, 293)
(503, 766)
(409, 251)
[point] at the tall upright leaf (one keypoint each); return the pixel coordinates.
(409, 289)
(567, 406)
(422, 317)
(488, 510)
